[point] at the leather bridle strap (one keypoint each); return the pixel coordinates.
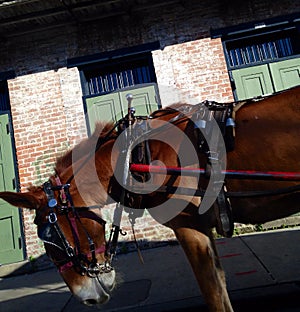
(72, 221)
(74, 256)
(90, 240)
(70, 264)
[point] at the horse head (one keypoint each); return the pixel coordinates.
(71, 227)
(74, 239)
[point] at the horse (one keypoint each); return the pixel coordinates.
(89, 176)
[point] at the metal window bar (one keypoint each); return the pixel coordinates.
(255, 53)
(118, 80)
(122, 79)
(263, 52)
(232, 59)
(91, 86)
(266, 50)
(112, 82)
(98, 84)
(244, 56)
(282, 48)
(239, 58)
(289, 46)
(273, 50)
(249, 54)
(101, 84)
(130, 78)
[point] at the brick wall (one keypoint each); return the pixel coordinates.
(46, 97)
(196, 69)
(48, 118)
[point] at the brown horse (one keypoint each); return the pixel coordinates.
(266, 139)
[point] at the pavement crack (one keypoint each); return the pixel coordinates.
(259, 260)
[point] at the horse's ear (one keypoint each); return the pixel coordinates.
(31, 199)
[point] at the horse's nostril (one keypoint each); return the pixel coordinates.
(90, 302)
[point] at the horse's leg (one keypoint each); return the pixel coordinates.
(201, 252)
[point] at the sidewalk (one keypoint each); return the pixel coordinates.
(263, 270)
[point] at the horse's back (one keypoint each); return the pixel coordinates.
(267, 134)
(267, 139)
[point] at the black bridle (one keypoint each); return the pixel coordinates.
(52, 234)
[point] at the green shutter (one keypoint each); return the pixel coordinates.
(105, 108)
(10, 229)
(113, 106)
(266, 79)
(252, 81)
(144, 100)
(286, 74)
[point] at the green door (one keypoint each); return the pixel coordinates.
(252, 81)
(286, 74)
(104, 107)
(266, 79)
(10, 226)
(145, 99)
(113, 106)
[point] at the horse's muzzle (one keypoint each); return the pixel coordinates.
(95, 291)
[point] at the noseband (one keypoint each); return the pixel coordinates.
(51, 233)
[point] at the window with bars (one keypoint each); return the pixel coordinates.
(258, 49)
(110, 76)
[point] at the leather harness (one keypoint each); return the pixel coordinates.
(201, 115)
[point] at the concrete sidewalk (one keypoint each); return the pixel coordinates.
(263, 273)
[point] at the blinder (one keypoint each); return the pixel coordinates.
(50, 233)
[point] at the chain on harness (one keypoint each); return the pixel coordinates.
(124, 161)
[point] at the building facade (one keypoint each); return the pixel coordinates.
(60, 58)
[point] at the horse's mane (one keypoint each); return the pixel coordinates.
(87, 145)
(83, 148)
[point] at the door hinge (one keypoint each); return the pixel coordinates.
(20, 242)
(14, 183)
(233, 86)
(7, 128)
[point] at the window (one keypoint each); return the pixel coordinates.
(262, 57)
(110, 76)
(262, 48)
(115, 70)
